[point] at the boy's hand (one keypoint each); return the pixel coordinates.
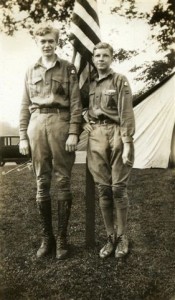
(85, 115)
(127, 154)
(71, 143)
(87, 127)
(24, 147)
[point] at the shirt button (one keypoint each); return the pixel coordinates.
(47, 82)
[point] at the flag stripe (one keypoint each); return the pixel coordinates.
(84, 40)
(83, 14)
(77, 59)
(86, 54)
(90, 32)
(89, 8)
(85, 34)
(83, 76)
(82, 68)
(83, 64)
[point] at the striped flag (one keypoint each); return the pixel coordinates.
(85, 34)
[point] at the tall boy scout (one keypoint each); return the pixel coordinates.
(50, 118)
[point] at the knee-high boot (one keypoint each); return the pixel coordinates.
(64, 209)
(48, 245)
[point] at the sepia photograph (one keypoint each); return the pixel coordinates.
(87, 150)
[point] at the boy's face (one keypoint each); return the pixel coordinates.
(47, 44)
(102, 59)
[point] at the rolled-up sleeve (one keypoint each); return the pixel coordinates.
(126, 113)
(24, 111)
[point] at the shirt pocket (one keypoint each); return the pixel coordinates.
(110, 99)
(59, 87)
(35, 86)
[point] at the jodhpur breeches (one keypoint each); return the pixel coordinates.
(105, 150)
(47, 135)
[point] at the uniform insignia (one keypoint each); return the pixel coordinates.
(125, 84)
(72, 71)
(111, 103)
(110, 92)
(60, 90)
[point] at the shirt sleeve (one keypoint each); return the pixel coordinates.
(126, 113)
(75, 102)
(24, 116)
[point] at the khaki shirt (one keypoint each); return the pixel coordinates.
(53, 87)
(111, 96)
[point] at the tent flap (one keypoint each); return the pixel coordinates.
(155, 118)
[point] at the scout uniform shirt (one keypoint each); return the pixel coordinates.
(111, 97)
(53, 87)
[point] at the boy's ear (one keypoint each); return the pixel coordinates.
(56, 45)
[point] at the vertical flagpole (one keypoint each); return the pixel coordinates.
(90, 198)
(74, 55)
(89, 74)
(80, 37)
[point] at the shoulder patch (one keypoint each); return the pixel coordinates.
(72, 69)
(72, 72)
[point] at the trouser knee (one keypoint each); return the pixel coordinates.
(43, 189)
(105, 196)
(64, 190)
(120, 196)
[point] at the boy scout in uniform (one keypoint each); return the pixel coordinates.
(110, 125)
(50, 118)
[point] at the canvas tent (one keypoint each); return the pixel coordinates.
(155, 127)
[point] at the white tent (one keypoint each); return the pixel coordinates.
(155, 118)
(155, 127)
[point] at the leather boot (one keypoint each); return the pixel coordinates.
(64, 209)
(48, 244)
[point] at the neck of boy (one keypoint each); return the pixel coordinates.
(103, 73)
(49, 62)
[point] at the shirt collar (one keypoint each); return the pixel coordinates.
(110, 73)
(39, 62)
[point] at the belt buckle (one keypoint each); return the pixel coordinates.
(42, 110)
(47, 110)
(104, 122)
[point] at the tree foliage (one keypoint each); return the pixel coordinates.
(162, 26)
(17, 14)
(122, 54)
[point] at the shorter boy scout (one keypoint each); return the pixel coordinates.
(110, 125)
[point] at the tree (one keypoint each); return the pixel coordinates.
(162, 26)
(17, 14)
(26, 14)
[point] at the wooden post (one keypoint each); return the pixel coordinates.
(90, 209)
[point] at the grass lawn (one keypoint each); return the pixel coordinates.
(147, 273)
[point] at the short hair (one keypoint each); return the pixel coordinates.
(41, 31)
(103, 46)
